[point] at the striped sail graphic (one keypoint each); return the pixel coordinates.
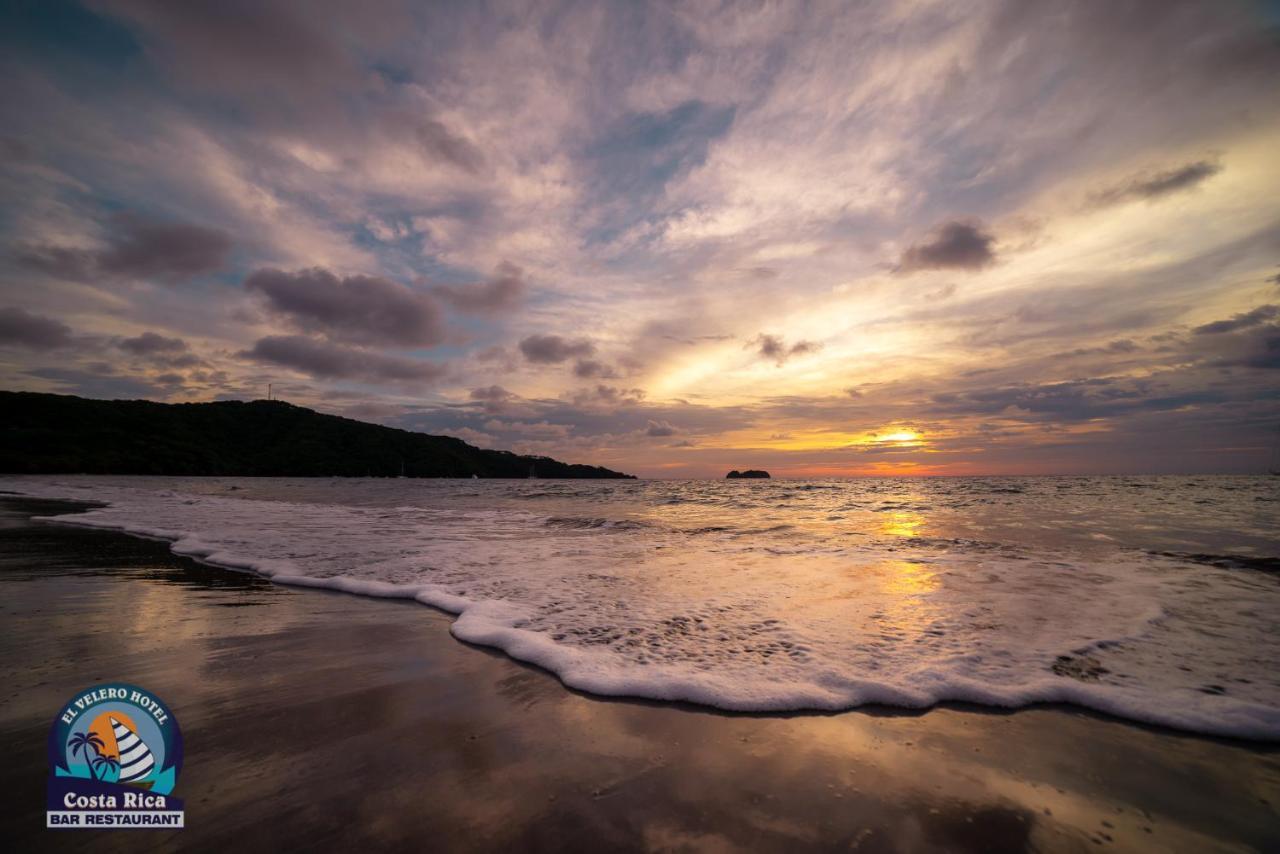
(136, 760)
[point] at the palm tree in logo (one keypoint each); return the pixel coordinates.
(82, 742)
(109, 763)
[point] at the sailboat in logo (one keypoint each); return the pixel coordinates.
(136, 761)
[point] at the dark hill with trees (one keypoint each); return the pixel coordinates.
(61, 434)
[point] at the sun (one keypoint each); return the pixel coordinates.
(900, 436)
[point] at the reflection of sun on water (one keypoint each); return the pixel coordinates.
(901, 523)
(907, 578)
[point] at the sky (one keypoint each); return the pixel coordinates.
(672, 238)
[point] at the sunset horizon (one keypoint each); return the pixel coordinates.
(906, 239)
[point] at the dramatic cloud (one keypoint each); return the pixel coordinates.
(775, 349)
(152, 343)
(1154, 185)
(138, 248)
(500, 293)
(553, 349)
(360, 309)
(326, 360)
(1256, 317)
(954, 245)
(21, 328)
(991, 224)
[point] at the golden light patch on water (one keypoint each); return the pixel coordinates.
(907, 578)
(902, 523)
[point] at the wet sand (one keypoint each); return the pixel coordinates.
(316, 720)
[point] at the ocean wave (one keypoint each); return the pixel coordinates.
(595, 523)
(773, 618)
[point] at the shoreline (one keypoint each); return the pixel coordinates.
(475, 622)
(483, 752)
(73, 507)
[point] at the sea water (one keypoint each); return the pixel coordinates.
(1152, 598)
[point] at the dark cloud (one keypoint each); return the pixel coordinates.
(160, 351)
(326, 360)
(60, 261)
(1242, 342)
(218, 378)
(21, 328)
(1265, 352)
(608, 395)
(138, 248)
(242, 46)
(955, 245)
(553, 349)
(660, 428)
(495, 399)
(1157, 184)
(492, 393)
(500, 293)
(593, 369)
(361, 309)
(170, 380)
(151, 343)
(1072, 400)
(172, 252)
(440, 143)
(1245, 320)
(774, 348)
(1120, 346)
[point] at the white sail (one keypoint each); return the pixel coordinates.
(136, 760)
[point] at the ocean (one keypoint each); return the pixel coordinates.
(1155, 599)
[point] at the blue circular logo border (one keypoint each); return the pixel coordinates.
(61, 729)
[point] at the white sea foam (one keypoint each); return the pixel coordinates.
(769, 615)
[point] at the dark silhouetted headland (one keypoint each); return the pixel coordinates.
(62, 434)
(748, 473)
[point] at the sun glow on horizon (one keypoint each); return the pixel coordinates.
(901, 437)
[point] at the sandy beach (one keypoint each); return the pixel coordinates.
(322, 720)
